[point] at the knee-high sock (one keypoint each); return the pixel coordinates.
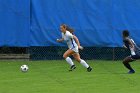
(84, 63)
(69, 61)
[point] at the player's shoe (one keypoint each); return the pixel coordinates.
(72, 68)
(89, 69)
(131, 72)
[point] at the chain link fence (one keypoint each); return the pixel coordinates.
(89, 53)
(56, 53)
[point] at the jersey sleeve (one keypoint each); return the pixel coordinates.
(69, 35)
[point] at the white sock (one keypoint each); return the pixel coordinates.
(84, 63)
(69, 61)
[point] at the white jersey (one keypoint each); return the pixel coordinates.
(68, 37)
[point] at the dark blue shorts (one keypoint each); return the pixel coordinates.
(135, 57)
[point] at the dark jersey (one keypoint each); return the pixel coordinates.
(127, 44)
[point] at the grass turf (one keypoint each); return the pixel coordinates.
(54, 77)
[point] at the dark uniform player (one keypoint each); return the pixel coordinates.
(134, 49)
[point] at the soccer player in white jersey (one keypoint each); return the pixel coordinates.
(74, 46)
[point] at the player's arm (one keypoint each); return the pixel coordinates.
(77, 41)
(60, 40)
(132, 49)
(131, 43)
(124, 46)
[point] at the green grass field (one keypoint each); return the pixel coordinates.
(54, 77)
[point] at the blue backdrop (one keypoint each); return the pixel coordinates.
(96, 22)
(14, 22)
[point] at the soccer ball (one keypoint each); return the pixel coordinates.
(24, 68)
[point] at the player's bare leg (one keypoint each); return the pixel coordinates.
(81, 61)
(126, 62)
(66, 55)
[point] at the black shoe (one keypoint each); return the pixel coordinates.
(131, 72)
(72, 68)
(89, 69)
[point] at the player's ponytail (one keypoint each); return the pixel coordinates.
(71, 30)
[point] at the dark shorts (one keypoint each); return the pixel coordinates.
(135, 57)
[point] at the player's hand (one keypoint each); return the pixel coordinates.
(124, 46)
(80, 47)
(60, 40)
(57, 40)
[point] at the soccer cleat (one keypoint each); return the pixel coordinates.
(89, 69)
(131, 72)
(72, 68)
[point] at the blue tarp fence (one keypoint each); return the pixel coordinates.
(97, 23)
